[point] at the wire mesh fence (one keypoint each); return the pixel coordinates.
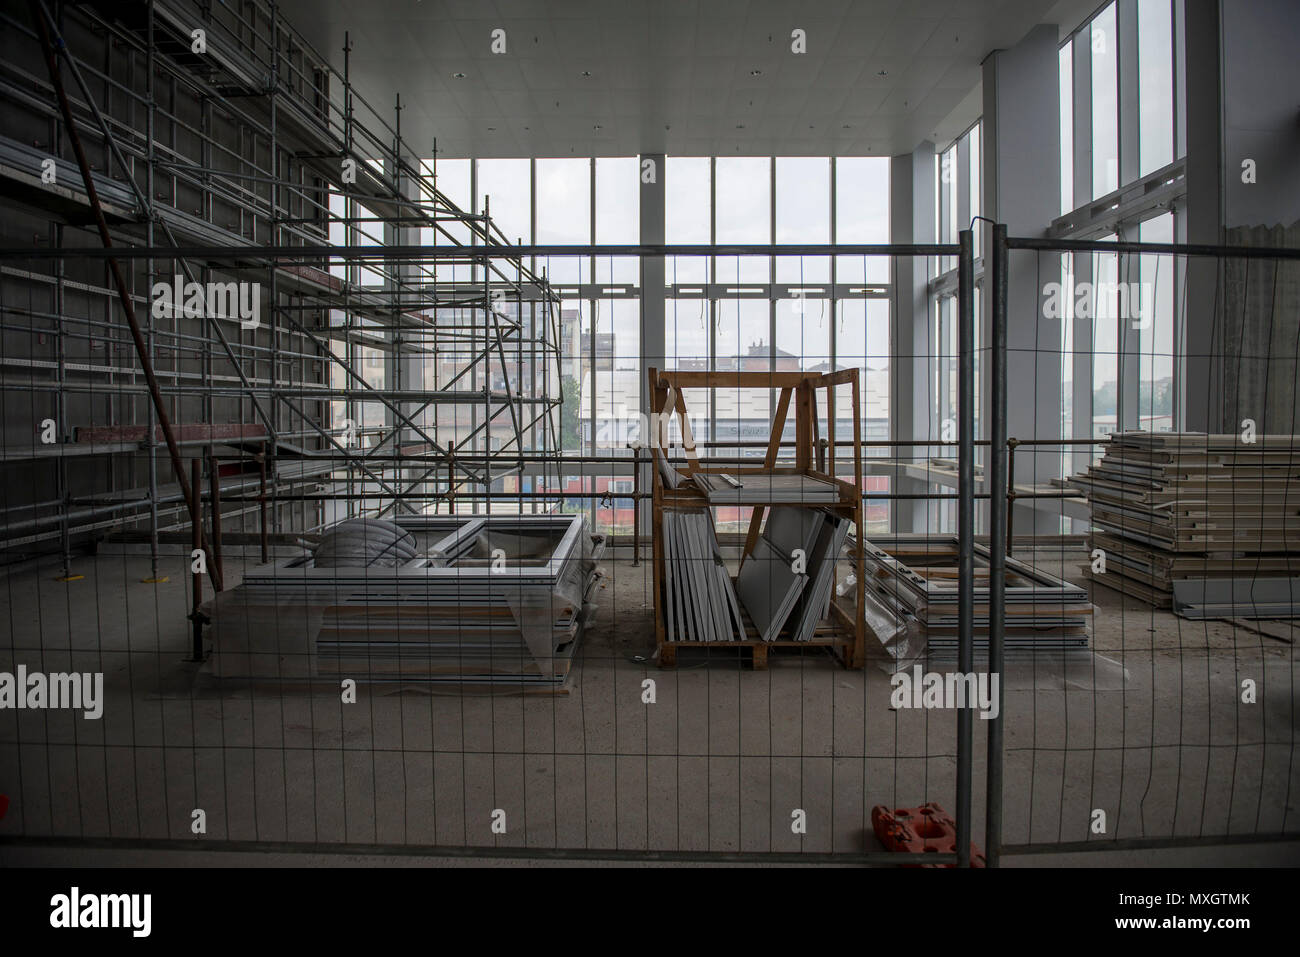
(1173, 496)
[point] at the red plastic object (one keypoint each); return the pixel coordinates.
(920, 830)
(4, 805)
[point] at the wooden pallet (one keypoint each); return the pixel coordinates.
(843, 632)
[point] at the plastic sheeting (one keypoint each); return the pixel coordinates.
(364, 543)
(391, 628)
(536, 608)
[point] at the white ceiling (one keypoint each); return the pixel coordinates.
(675, 76)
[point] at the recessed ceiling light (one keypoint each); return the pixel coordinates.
(458, 76)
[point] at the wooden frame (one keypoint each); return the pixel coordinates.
(844, 634)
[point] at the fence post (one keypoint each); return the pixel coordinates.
(999, 481)
(965, 527)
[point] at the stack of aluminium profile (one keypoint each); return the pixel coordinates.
(701, 601)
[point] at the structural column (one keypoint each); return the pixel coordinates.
(651, 172)
(1021, 188)
(911, 215)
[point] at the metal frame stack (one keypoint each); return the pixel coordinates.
(915, 576)
(1174, 506)
(499, 599)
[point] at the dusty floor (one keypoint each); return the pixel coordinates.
(1150, 730)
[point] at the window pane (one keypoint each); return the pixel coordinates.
(1105, 345)
(1065, 73)
(743, 345)
(686, 218)
(367, 232)
(686, 333)
(803, 335)
(618, 203)
(742, 335)
(564, 214)
(862, 342)
(504, 188)
(618, 215)
(618, 371)
(1156, 325)
(947, 203)
(973, 184)
(1105, 104)
(564, 201)
(451, 178)
(862, 215)
(1155, 85)
(744, 213)
(339, 233)
(803, 214)
(734, 271)
(576, 375)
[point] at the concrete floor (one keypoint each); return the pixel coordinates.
(1149, 729)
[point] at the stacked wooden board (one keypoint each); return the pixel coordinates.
(914, 577)
(1173, 506)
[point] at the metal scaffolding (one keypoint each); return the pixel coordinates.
(400, 380)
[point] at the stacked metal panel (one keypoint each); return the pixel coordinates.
(1200, 598)
(816, 605)
(496, 600)
(768, 488)
(915, 578)
(1173, 506)
(701, 602)
(788, 578)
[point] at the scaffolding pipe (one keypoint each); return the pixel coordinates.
(197, 618)
(214, 498)
(124, 295)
